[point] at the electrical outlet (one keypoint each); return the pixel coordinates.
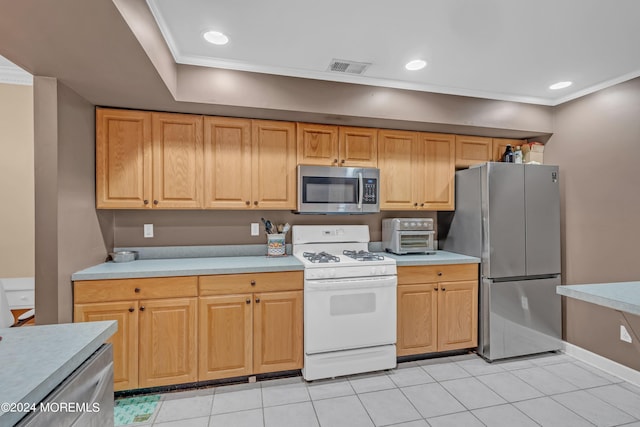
(255, 229)
(624, 334)
(148, 231)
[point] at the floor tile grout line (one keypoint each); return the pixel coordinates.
(618, 408)
(596, 397)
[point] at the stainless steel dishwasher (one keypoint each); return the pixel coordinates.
(84, 398)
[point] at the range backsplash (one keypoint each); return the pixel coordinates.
(185, 228)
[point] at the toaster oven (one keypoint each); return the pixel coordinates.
(408, 235)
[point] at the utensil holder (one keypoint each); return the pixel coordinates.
(275, 245)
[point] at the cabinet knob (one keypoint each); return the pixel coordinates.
(155, 202)
(247, 203)
(248, 301)
(145, 201)
(257, 300)
(253, 283)
(435, 288)
(444, 289)
(342, 161)
(415, 204)
(131, 309)
(136, 290)
(422, 205)
(142, 308)
(439, 273)
(255, 203)
(335, 160)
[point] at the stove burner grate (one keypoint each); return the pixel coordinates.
(320, 257)
(363, 255)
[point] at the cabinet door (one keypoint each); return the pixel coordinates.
(471, 150)
(177, 161)
(124, 341)
(358, 147)
(417, 319)
(123, 159)
(273, 156)
(398, 164)
(457, 315)
(439, 171)
(227, 163)
(277, 331)
(499, 146)
(167, 344)
(317, 144)
(225, 331)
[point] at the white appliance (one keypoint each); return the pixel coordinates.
(338, 190)
(349, 301)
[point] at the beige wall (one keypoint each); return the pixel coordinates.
(596, 140)
(16, 181)
(71, 234)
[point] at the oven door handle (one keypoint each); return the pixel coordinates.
(360, 190)
(325, 285)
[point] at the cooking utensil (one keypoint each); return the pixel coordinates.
(286, 228)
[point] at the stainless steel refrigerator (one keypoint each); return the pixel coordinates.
(509, 216)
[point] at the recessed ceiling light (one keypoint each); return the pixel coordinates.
(215, 37)
(416, 64)
(560, 85)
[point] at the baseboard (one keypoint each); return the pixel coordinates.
(609, 366)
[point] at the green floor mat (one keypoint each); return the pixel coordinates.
(133, 410)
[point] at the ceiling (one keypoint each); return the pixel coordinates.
(496, 49)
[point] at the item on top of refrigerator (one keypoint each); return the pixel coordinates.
(533, 152)
(508, 154)
(517, 155)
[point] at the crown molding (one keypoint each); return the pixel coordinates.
(15, 76)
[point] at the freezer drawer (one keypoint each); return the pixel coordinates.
(519, 318)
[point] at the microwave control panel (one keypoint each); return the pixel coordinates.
(370, 196)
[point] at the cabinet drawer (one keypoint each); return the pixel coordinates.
(251, 282)
(134, 289)
(437, 273)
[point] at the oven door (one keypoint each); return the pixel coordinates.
(341, 314)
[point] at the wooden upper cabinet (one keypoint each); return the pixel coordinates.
(123, 159)
(439, 171)
(471, 150)
(358, 147)
(500, 145)
(317, 144)
(227, 163)
(397, 161)
(177, 161)
(273, 156)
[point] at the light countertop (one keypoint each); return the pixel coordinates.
(35, 359)
(623, 296)
(234, 265)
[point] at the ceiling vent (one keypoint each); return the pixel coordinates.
(351, 67)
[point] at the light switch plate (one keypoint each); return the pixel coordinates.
(148, 230)
(255, 229)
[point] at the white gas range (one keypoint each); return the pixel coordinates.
(349, 301)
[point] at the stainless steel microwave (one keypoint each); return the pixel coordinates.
(338, 190)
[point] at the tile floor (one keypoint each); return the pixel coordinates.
(549, 390)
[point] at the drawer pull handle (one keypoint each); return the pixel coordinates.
(131, 309)
(136, 290)
(248, 301)
(257, 300)
(253, 283)
(142, 308)
(439, 273)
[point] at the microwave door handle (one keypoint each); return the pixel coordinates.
(360, 190)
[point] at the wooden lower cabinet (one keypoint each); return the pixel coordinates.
(124, 341)
(435, 314)
(167, 342)
(250, 334)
